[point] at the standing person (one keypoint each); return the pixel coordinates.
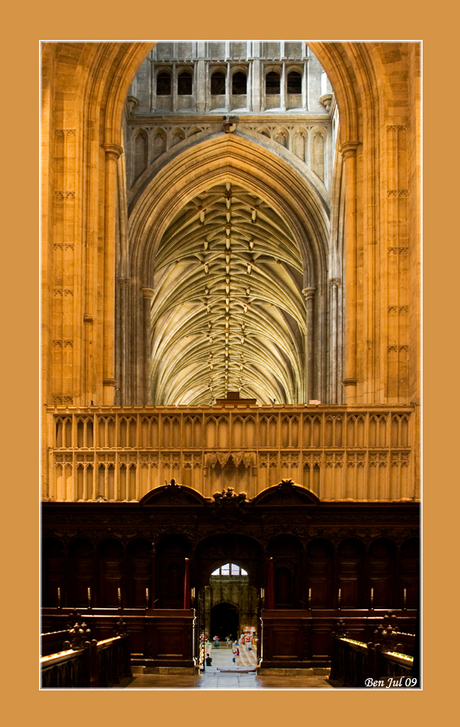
(236, 653)
(247, 640)
(216, 642)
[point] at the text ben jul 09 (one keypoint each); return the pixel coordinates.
(391, 682)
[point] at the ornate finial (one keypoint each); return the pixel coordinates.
(285, 486)
(340, 629)
(78, 635)
(120, 628)
(229, 503)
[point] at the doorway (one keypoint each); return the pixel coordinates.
(224, 621)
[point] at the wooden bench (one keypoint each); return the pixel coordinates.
(87, 664)
(386, 661)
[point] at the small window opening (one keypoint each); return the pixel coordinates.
(184, 84)
(294, 82)
(239, 83)
(272, 83)
(218, 84)
(164, 84)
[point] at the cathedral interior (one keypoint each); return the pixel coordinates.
(230, 348)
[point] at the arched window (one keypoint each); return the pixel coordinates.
(294, 82)
(218, 83)
(272, 83)
(185, 84)
(229, 569)
(239, 82)
(164, 84)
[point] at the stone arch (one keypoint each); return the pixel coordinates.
(245, 162)
(97, 79)
(233, 159)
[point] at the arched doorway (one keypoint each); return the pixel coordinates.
(228, 603)
(224, 621)
(229, 607)
(228, 577)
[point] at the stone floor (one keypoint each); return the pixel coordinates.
(223, 674)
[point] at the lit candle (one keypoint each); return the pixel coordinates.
(372, 594)
(59, 593)
(340, 593)
(89, 594)
(404, 598)
(119, 594)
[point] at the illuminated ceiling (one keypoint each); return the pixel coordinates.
(228, 312)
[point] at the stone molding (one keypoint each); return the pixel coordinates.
(398, 193)
(113, 151)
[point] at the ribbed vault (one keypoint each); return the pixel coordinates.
(228, 312)
(226, 213)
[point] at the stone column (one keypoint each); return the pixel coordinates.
(147, 294)
(174, 87)
(122, 322)
(256, 77)
(334, 283)
(283, 88)
(112, 154)
(304, 86)
(201, 93)
(152, 84)
(309, 295)
(227, 87)
(350, 381)
(201, 90)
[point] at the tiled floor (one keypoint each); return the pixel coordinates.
(217, 676)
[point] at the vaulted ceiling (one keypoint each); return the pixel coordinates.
(228, 312)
